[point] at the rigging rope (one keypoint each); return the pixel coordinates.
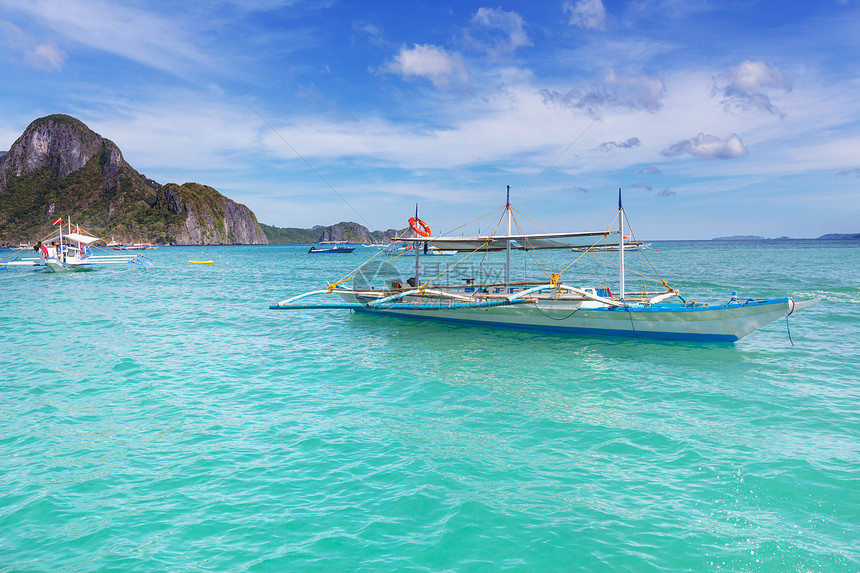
(788, 329)
(530, 219)
(546, 266)
(537, 306)
(589, 248)
(483, 248)
(630, 316)
(447, 233)
(643, 255)
(299, 155)
(353, 273)
(559, 156)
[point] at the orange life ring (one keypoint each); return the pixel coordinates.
(424, 231)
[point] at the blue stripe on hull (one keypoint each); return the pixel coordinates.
(566, 329)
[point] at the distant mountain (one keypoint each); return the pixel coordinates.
(347, 231)
(740, 238)
(59, 167)
(840, 237)
(829, 237)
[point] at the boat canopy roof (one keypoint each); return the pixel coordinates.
(581, 239)
(79, 238)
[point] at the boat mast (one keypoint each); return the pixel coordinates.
(621, 240)
(415, 248)
(60, 241)
(508, 242)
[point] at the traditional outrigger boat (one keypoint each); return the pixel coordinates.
(548, 304)
(73, 250)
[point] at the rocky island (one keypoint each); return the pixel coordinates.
(59, 167)
(827, 237)
(345, 231)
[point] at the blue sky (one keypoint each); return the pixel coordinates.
(717, 118)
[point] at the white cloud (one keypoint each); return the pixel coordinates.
(628, 143)
(589, 14)
(10, 34)
(497, 32)
(815, 152)
(46, 56)
(499, 127)
(708, 146)
(430, 62)
(182, 131)
(631, 92)
(746, 85)
(261, 5)
(178, 131)
(142, 36)
(372, 32)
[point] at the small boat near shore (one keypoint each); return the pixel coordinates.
(133, 247)
(550, 304)
(69, 251)
(136, 247)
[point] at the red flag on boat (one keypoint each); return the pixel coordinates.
(57, 221)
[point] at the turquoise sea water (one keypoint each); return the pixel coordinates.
(167, 420)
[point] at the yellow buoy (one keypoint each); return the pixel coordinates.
(200, 262)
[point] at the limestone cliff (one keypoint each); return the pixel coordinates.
(352, 232)
(59, 167)
(209, 217)
(61, 143)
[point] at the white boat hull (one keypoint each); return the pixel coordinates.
(715, 324)
(57, 267)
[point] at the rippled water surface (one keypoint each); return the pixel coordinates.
(167, 420)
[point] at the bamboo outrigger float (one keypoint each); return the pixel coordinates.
(550, 305)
